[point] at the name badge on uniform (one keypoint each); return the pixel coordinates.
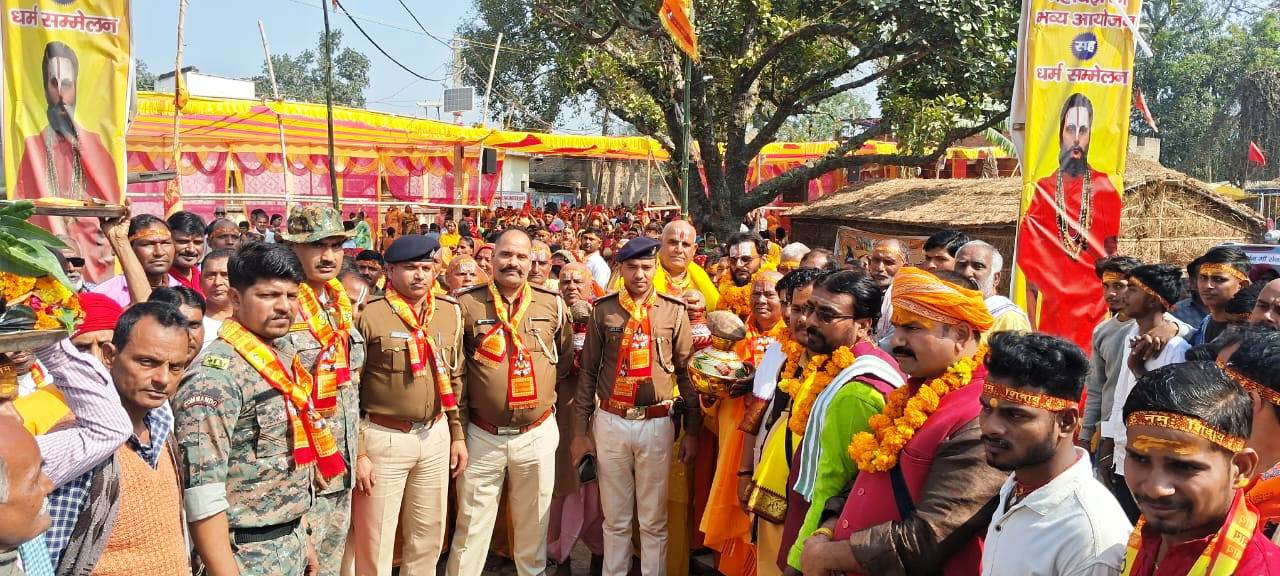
(401, 335)
(486, 322)
(614, 329)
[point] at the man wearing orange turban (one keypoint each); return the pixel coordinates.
(890, 523)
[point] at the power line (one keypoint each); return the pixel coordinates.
(424, 28)
(379, 47)
(420, 32)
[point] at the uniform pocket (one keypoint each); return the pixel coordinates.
(272, 422)
(388, 351)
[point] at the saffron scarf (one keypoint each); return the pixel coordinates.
(333, 367)
(635, 360)
(312, 439)
(423, 351)
(522, 388)
(1225, 549)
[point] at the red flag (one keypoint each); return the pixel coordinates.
(1256, 157)
(1140, 101)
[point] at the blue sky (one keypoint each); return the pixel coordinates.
(221, 38)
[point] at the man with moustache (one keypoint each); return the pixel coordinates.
(25, 486)
(744, 251)
(919, 500)
(1224, 271)
(73, 266)
(64, 159)
(217, 292)
(151, 242)
(324, 337)
(1074, 213)
(1188, 467)
(1266, 311)
(187, 230)
(592, 239)
(252, 443)
(515, 336)
(638, 345)
(370, 263)
(411, 439)
(844, 304)
(982, 263)
(887, 257)
(769, 409)
(540, 266)
(222, 234)
(1052, 516)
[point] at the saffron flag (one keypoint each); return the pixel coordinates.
(677, 17)
(65, 100)
(1076, 77)
(1256, 157)
(1140, 100)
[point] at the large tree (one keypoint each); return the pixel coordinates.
(943, 70)
(302, 77)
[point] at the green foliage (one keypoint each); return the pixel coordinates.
(144, 79)
(25, 249)
(302, 77)
(768, 69)
(826, 120)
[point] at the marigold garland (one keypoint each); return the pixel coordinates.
(822, 369)
(736, 299)
(904, 414)
(55, 306)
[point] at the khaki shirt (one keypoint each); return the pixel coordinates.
(672, 344)
(388, 386)
(546, 332)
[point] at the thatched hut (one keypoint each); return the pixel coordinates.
(1168, 216)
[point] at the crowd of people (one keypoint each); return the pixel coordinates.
(309, 394)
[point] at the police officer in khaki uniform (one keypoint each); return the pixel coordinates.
(515, 335)
(323, 335)
(246, 475)
(412, 439)
(638, 345)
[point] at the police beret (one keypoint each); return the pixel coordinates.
(411, 247)
(641, 248)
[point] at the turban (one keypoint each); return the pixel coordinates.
(100, 313)
(924, 294)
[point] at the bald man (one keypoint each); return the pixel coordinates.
(540, 266)
(677, 272)
(887, 257)
(1266, 311)
(23, 487)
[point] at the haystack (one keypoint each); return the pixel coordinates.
(1167, 216)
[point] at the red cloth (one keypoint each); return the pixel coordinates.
(1261, 557)
(99, 168)
(1070, 295)
(871, 500)
(100, 313)
(194, 282)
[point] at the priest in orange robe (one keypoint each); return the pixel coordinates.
(1073, 217)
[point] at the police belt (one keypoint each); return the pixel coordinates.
(496, 430)
(659, 410)
(264, 533)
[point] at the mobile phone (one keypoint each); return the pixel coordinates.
(587, 469)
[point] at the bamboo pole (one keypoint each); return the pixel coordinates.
(177, 112)
(275, 91)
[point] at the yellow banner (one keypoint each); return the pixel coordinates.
(57, 143)
(1076, 79)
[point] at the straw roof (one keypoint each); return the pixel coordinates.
(982, 202)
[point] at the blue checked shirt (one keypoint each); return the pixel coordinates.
(67, 502)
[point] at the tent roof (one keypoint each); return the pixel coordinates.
(976, 201)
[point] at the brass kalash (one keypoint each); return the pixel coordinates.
(717, 372)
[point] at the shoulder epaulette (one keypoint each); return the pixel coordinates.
(470, 289)
(447, 298)
(544, 290)
(676, 299)
(609, 295)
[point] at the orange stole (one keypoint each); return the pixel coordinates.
(726, 527)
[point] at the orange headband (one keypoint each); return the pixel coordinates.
(1109, 277)
(1250, 384)
(1222, 270)
(152, 233)
(1181, 423)
(1136, 283)
(1032, 399)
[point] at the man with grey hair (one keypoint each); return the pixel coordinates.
(982, 263)
(23, 487)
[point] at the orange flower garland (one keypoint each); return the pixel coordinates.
(904, 414)
(822, 369)
(736, 299)
(55, 306)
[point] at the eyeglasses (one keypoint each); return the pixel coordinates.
(824, 315)
(75, 261)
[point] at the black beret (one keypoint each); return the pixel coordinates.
(640, 248)
(411, 247)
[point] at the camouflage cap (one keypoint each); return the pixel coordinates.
(314, 223)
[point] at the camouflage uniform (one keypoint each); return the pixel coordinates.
(330, 516)
(237, 457)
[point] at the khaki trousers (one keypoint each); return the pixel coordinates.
(633, 462)
(411, 469)
(530, 460)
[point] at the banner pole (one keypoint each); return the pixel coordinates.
(328, 104)
(174, 202)
(275, 91)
